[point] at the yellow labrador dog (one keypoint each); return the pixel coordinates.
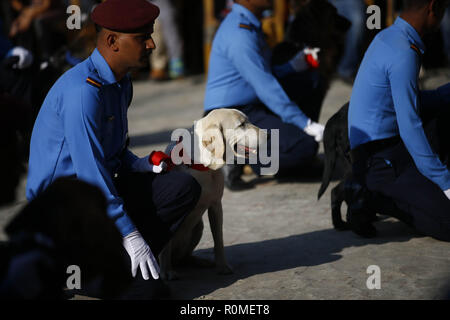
(222, 131)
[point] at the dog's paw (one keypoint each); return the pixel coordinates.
(169, 275)
(224, 269)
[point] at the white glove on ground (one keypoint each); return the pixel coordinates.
(144, 165)
(315, 130)
(305, 59)
(25, 57)
(447, 193)
(141, 256)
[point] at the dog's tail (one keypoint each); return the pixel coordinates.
(330, 145)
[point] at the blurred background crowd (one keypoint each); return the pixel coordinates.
(184, 32)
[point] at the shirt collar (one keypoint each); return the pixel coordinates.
(411, 33)
(102, 67)
(246, 13)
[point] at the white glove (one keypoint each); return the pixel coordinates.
(315, 130)
(144, 165)
(158, 169)
(25, 57)
(447, 193)
(305, 59)
(141, 256)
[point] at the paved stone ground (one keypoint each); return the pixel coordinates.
(279, 239)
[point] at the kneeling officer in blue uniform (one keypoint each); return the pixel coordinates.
(393, 155)
(82, 131)
(241, 76)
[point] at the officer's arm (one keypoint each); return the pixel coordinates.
(436, 99)
(82, 117)
(403, 73)
(248, 60)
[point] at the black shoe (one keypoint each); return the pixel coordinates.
(232, 175)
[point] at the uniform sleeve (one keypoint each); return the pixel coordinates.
(82, 119)
(248, 60)
(403, 76)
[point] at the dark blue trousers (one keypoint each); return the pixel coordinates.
(158, 203)
(392, 173)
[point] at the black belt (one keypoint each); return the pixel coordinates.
(366, 150)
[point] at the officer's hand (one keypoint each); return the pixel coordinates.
(141, 256)
(315, 130)
(447, 193)
(160, 168)
(305, 59)
(25, 57)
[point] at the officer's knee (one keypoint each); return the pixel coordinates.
(187, 187)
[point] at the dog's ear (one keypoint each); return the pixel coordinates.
(213, 147)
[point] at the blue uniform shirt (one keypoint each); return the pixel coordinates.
(240, 72)
(385, 98)
(81, 131)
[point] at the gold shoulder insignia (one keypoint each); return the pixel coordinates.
(245, 26)
(414, 47)
(93, 82)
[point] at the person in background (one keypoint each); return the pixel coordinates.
(445, 30)
(355, 12)
(169, 52)
(241, 76)
(391, 150)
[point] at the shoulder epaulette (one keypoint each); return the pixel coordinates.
(93, 82)
(245, 26)
(414, 47)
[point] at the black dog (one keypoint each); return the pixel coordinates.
(66, 225)
(14, 136)
(337, 147)
(362, 205)
(316, 24)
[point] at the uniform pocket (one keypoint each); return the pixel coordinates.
(380, 172)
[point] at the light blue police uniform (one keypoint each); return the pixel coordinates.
(81, 131)
(240, 72)
(386, 100)
(391, 154)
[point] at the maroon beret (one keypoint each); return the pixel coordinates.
(125, 15)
